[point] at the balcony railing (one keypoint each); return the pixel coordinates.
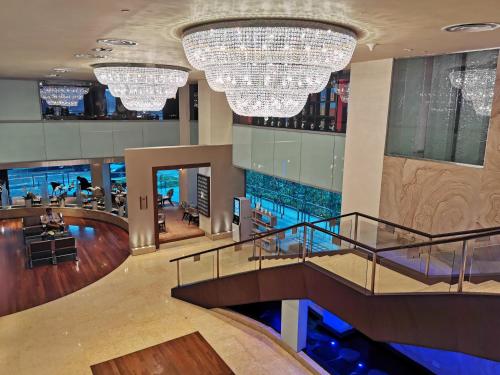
(371, 254)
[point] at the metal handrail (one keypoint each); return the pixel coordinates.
(453, 236)
(276, 231)
(462, 237)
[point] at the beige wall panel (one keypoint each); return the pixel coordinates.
(430, 196)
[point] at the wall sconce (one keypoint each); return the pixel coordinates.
(143, 202)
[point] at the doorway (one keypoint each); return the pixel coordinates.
(176, 210)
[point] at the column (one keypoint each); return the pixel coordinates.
(370, 87)
(294, 323)
(184, 115)
(96, 173)
(185, 138)
(215, 127)
(215, 117)
(106, 185)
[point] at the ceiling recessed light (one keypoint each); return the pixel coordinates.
(61, 70)
(89, 56)
(408, 49)
(52, 75)
(472, 27)
(117, 42)
(102, 49)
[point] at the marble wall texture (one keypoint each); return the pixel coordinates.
(439, 196)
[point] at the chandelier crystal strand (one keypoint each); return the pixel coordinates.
(141, 87)
(268, 67)
(477, 86)
(65, 96)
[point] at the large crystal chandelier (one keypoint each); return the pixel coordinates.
(64, 96)
(267, 68)
(141, 87)
(477, 86)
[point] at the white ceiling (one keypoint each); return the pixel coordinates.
(38, 35)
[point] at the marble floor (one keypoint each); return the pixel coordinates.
(128, 310)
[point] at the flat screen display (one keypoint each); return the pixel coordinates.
(236, 207)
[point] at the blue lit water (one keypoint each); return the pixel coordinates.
(350, 353)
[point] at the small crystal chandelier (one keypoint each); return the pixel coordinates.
(64, 96)
(477, 86)
(141, 87)
(268, 67)
(343, 91)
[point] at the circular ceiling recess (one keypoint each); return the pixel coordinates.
(117, 42)
(472, 27)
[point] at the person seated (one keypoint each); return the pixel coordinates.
(52, 221)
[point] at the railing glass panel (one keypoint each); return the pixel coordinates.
(422, 269)
(237, 259)
(197, 268)
(482, 269)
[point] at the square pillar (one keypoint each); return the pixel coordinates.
(294, 323)
(215, 117)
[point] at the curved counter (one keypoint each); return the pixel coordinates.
(82, 213)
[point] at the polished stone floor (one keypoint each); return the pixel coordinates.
(128, 310)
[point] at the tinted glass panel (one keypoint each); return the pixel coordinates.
(441, 106)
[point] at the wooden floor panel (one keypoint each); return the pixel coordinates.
(177, 229)
(101, 248)
(190, 354)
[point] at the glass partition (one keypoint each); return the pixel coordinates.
(482, 270)
(441, 105)
(291, 202)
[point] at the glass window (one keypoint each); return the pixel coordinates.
(290, 201)
(117, 174)
(441, 105)
(168, 180)
(99, 104)
(324, 111)
(35, 180)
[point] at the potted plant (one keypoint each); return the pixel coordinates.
(28, 199)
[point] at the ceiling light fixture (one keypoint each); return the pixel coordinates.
(472, 27)
(65, 96)
(268, 67)
(61, 70)
(89, 56)
(141, 87)
(117, 42)
(102, 49)
(478, 86)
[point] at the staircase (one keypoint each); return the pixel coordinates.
(391, 294)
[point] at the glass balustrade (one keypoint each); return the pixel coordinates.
(482, 269)
(355, 248)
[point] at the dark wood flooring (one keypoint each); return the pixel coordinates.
(177, 229)
(190, 354)
(101, 248)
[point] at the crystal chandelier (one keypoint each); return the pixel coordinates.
(267, 68)
(64, 96)
(477, 86)
(141, 87)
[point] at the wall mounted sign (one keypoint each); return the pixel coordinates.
(203, 188)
